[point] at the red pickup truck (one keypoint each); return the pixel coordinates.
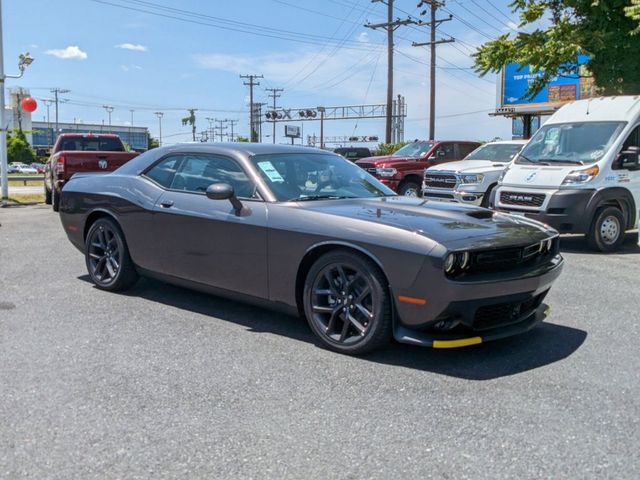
(403, 171)
(81, 153)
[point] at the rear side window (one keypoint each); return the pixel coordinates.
(163, 172)
(446, 151)
(465, 149)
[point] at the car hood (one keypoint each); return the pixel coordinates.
(469, 166)
(449, 224)
(543, 176)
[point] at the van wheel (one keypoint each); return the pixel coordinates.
(607, 230)
(409, 189)
(47, 195)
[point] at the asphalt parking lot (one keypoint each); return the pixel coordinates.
(167, 383)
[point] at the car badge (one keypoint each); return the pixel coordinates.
(102, 164)
(530, 177)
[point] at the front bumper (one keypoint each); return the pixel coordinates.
(564, 210)
(498, 305)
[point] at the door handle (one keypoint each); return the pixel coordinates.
(166, 203)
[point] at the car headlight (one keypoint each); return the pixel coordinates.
(581, 176)
(456, 262)
(478, 178)
(386, 172)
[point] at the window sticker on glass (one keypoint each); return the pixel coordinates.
(270, 171)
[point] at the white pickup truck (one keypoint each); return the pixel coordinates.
(580, 173)
(470, 180)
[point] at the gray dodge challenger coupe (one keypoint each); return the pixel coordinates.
(308, 232)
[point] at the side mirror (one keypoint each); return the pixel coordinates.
(630, 158)
(224, 191)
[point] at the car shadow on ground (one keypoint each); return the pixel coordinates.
(578, 244)
(546, 344)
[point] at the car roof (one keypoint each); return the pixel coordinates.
(507, 142)
(623, 108)
(240, 147)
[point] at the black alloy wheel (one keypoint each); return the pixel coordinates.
(347, 303)
(107, 257)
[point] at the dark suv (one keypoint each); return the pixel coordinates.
(353, 153)
(403, 170)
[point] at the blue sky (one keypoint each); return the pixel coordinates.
(128, 58)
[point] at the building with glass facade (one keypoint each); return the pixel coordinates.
(43, 134)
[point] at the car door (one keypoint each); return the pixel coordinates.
(203, 240)
(631, 178)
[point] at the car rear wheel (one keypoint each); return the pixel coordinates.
(607, 230)
(347, 303)
(409, 189)
(107, 257)
(47, 195)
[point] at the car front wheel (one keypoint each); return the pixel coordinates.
(347, 303)
(107, 257)
(409, 189)
(607, 230)
(47, 195)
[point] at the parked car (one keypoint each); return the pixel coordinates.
(580, 173)
(353, 153)
(403, 170)
(472, 179)
(307, 231)
(19, 167)
(39, 167)
(80, 153)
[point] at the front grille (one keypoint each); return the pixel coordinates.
(501, 314)
(522, 199)
(438, 195)
(437, 180)
(502, 259)
(370, 168)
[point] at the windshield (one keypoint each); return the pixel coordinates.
(413, 149)
(581, 143)
(495, 152)
(94, 144)
(313, 176)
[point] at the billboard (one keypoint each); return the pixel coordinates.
(292, 131)
(561, 89)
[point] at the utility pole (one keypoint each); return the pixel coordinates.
(232, 123)
(56, 92)
(109, 109)
(321, 110)
(432, 43)
(211, 128)
(390, 26)
(131, 128)
(159, 115)
(274, 94)
(251, 83)
(220, 127)
(47, 103)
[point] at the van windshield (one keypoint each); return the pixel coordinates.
(567, 143)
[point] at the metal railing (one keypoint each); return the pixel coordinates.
(25, 178)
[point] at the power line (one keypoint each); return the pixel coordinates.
(493, 16)
(251, 84)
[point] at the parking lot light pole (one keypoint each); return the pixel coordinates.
(159, 115)
(321, 110)
(24, 60)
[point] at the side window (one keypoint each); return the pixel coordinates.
(446, 151)
(196, 172)
(163, 172)
(465, 149)
(633, 140)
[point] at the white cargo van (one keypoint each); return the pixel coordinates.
(580, 172)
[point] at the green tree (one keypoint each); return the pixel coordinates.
(18, 148)
(191, 120)
(152, 142)
(242, 139)
(602, 29)
(389, 148)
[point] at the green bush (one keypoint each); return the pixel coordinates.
(389, 148)
(18, 148)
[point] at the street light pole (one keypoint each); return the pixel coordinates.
(24, 61)
(47, 103)
(131, 129)
(159, 115)
(109, 109)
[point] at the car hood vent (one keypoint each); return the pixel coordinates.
(481, 214)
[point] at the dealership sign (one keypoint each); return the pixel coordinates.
(292, 131)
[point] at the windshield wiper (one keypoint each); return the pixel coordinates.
(565, 160)
(528, 160)
(318, 197)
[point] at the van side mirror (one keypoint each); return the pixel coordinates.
(224, 191)
(630, 158)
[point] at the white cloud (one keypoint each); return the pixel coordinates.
(136, 47)
(72, 52)
(126, 68)
(363, 37)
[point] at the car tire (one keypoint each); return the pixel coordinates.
(347, 303)
(409, 189)
(607, 230)
(486, 199)
(55, 199)
(107, 257)
(47, 196)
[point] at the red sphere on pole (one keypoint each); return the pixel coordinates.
(29, 104)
